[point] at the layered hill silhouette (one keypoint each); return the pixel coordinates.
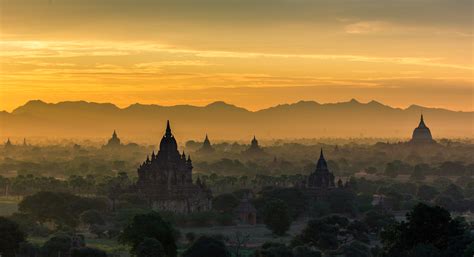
(304, 119)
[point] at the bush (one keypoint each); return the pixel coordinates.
(276, 217)
(10, 237)
(206, 247)
(87, 252)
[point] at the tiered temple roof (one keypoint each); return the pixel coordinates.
(321, 177)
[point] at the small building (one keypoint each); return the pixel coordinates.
(247, 214)
(381, 202)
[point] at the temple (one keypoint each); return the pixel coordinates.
(422, 134)
(114, 141)
(206, 146)
(166, 181)
(254, 148)
(8, 144)
(321, 178)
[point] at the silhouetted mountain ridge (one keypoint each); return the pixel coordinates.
(308, 119)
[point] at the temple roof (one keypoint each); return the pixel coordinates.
(422, 133)
(322, 164)
(422, 123)
(168, 145)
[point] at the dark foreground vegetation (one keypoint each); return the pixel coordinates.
(390, 200)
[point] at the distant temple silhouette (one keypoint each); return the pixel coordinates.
(321, 178)
(422, 134)
(254, 148)
(114, 141)
(206, 146)
(8, 144)
(166, 180)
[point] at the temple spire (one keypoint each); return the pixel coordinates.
(321, 155)
(168, 129)
(422, 122)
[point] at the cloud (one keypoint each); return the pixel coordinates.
(366, 27)
(66, 49)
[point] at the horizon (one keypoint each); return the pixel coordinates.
(235, 105)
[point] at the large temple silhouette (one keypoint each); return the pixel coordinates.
(166, 180)
(320, 182)
(422, 134)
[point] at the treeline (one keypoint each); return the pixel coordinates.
(426, 231)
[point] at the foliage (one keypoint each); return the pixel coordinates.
(304, 251)
(206, 246)
(92, 217)
(330, 232)
(426, 227)
(87, 252)
(270, 249)
(225, 203)
(276, 217)
(293, 198)
(357, 249)
(376, 220)
(150, 225)
(60, 208)
(150, 247)
(10, 237)
(56, 245)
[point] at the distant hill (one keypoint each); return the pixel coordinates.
(305, 119)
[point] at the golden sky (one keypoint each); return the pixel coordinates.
(251, 53)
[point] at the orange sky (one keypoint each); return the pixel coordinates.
(250, 53)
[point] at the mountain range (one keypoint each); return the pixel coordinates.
(304, 119)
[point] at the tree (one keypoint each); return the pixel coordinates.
(207, 246)
(92, 217)
(60, 208)
(270, 249)
(28, 250)
(418, 173)
(150, 247)
(293, 197)
(276, 217)
(87, 252)
(371, 170)
(239, 241)
(304, 251)
(357, 249)
(377, 220)
(150, 225)
(322, 233)
(10, 237)
(342, 201)
(454, 191)
(225, 203)
(427, 193)
(430, 226)
(391, 170)
(58, 245)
